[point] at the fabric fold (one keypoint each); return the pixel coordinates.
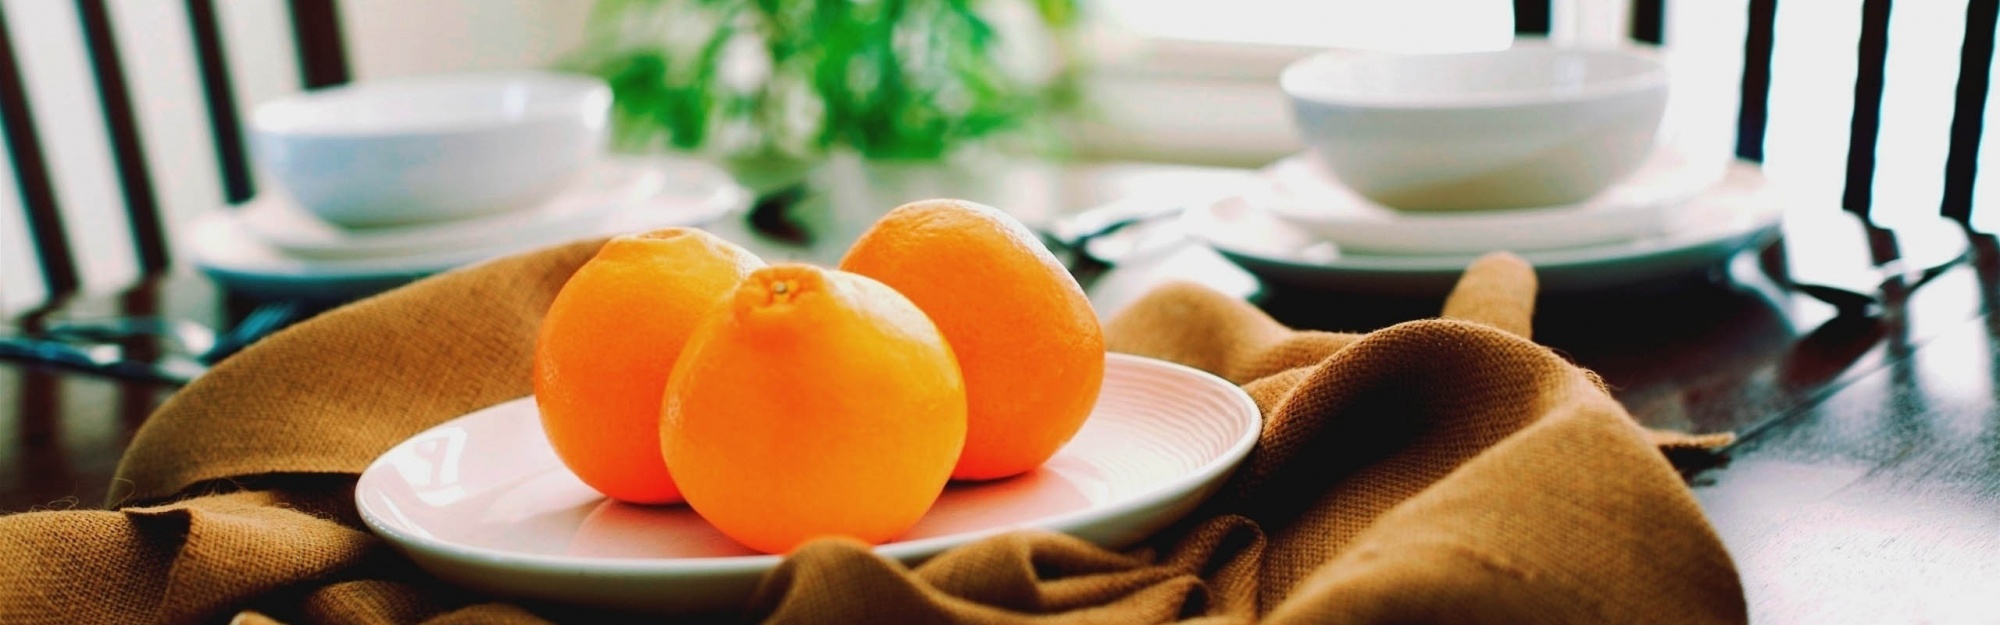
(330, 394)
(1443, 469)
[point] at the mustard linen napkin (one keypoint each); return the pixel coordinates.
(1442, 470)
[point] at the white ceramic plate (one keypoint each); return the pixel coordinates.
(1643, 205)
(482, 500)
(611, 185)
(234, 247)
(1734, 214)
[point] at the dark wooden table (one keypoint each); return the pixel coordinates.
(1865, 486)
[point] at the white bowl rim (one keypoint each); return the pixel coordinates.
(1654, 76)
(268, 118)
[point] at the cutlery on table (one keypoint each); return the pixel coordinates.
(771, 215)
(102, 359)
(1866, 290)
(1091, 241)
(1829, 260)
(98, 345)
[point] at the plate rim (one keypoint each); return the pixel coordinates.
(640, 180)
(726, 199)
(1696, 176)
(1676, 180)
(1763, 214)
(906, 551)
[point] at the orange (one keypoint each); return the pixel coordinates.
(813, 403)
(1027, 340)
(606, 346)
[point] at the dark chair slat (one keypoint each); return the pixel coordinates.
(1753, 114)
(1531, 17)
(31, 173)
(1871, 62)
(23, 286)
(1967, 120)
(220, 92)
(1649, 21)
(322, 51)
(114, 94)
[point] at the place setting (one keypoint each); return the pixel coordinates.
(372, 185)
(1418, 164)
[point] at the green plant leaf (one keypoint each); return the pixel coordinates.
(888, 78)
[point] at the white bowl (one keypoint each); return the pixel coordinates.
(431, 148)
(1532, 125)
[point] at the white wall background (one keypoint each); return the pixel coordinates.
(400, 37)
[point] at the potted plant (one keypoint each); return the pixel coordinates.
(768, 86)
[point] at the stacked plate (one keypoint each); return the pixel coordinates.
(270, 247)
(1676, 215)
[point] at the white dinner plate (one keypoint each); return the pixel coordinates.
(482, 500)
(226, 246)
(1736, 213)
(611, 184)
(1643, 205)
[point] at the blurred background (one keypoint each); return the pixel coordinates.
(124, 118)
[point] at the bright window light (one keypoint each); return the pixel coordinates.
(1397, 26)
(1919, 85)
(1812, 100)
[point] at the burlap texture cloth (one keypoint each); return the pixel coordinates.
(1440, 470)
